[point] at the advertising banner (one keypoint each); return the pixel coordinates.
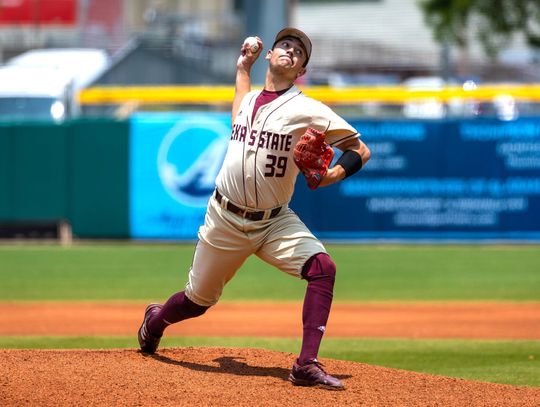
(462, 179)
(437, 180)
(174, 161)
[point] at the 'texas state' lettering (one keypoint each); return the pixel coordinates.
(264, 139)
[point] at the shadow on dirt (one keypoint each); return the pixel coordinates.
(230, 365)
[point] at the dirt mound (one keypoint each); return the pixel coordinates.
(224, 377)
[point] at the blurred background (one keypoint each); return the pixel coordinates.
(115, 113)
(417, 44)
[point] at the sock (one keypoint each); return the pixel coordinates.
(176, 309)
(320, 272)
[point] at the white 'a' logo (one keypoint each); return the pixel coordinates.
(190, 157)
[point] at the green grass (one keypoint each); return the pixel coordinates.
(150, 272)
(508, 362)
(365, 273)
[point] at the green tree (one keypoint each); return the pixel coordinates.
(493, 22)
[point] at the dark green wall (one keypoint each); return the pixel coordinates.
(99, 180)
(39, 185)
(76, 171)
(6, 166)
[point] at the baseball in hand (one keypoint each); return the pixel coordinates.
(253, 44)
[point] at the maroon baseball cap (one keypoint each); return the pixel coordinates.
(299, 35)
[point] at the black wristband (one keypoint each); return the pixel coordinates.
(351, 162)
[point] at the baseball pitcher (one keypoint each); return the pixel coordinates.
(277, 133)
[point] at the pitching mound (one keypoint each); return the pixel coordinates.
(224, 377)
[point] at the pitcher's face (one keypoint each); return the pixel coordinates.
(288, 55)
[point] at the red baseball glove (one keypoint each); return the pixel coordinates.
(312, 155)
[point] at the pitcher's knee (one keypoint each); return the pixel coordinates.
(319, 265)
(202, 297)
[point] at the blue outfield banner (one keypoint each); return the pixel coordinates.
(174, 161)
(451, 179)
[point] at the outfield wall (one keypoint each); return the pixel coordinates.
(150, 178)
(75, 171)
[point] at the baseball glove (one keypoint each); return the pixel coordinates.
(312, 155)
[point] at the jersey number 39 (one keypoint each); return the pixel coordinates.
(276, 166)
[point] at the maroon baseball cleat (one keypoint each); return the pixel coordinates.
(149, 343)
(312, 374)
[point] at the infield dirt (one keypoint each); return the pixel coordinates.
(383, 320)
(248, 377)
